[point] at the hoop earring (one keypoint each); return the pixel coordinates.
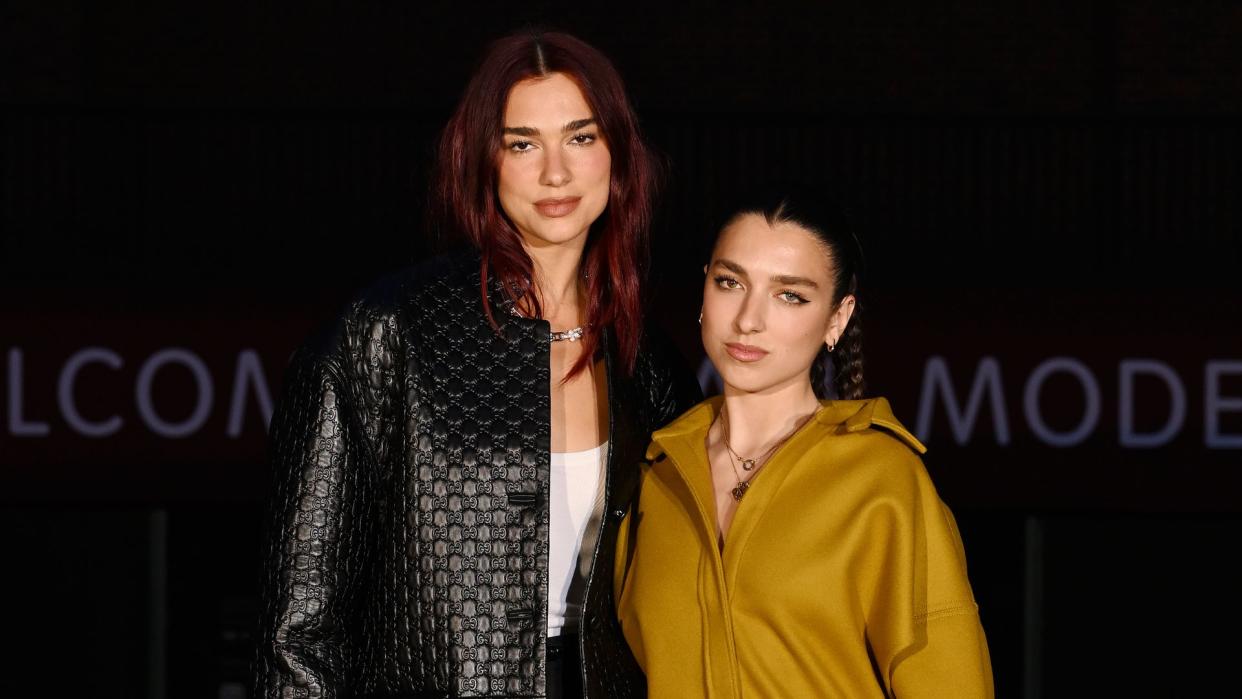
(832, 347)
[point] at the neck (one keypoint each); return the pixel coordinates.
(558, 281)
(757, 420)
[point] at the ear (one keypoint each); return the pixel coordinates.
(839, 320)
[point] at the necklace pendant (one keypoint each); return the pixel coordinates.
(748, 464)
(740, 490)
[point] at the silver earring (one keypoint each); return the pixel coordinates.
(832, 347)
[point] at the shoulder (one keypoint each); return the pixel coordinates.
(664, 378)
(368, 329)
(881, 449)
(656, 355)
(450, 275)
(872, 417)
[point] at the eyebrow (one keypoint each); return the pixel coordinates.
(530, 131)
(783, 279)
(788, 280)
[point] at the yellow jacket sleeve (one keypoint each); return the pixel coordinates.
(938, 648)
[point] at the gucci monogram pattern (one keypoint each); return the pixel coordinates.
(408, 544)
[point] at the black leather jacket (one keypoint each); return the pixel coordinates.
(408, 542)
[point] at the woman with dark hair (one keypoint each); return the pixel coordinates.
(783, 544)
(454, 454)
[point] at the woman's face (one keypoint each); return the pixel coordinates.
(555, 168)
(767, 305)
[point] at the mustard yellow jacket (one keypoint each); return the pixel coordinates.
(842, 574)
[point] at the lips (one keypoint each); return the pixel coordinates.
(745, 353)
(556, 208)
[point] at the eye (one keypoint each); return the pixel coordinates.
(726, 282)
(583, 139)
(520, 146)
(792, 298)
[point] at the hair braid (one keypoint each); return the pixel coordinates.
(819, 374)
(848, 361)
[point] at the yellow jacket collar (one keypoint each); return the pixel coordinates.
(842, 415)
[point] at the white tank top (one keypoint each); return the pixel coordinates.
(575, 506)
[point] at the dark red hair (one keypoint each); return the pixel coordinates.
(615, 257)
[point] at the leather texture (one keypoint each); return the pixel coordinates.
(408, 540)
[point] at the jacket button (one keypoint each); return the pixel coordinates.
(522, 499)
(618, 513)
(519, 615)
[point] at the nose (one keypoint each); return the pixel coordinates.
(555, 169)
(750, 315)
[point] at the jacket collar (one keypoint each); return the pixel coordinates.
(838, 415)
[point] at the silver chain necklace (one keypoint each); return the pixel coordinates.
(572, 334)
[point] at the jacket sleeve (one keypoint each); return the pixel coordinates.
(934, 646)
(316, 539)
(951, 656)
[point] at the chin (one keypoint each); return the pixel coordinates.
(753, 379)
(560, 233)
(743, 378)
(748, 386)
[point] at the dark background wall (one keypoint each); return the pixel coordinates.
(1046, 196)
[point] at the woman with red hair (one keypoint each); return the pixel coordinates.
(453, 456)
